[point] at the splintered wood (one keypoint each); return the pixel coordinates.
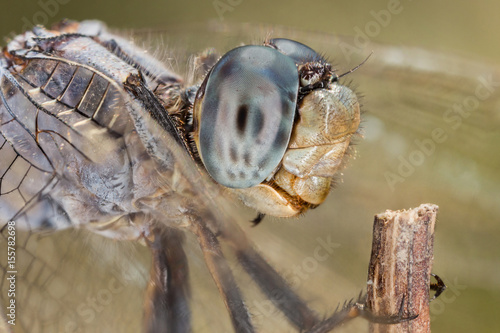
(400, 268)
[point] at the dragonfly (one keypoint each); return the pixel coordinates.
(101, 132)
(54, 288)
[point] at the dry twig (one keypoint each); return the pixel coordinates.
(400, 268)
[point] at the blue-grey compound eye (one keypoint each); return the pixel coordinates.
(244, 115)
(299, 52)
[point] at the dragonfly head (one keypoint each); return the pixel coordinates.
(273, 124)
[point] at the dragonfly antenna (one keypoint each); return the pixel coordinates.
(355, 68)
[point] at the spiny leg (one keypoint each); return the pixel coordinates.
(289, 303)
(353, 309)
(167, 294)
(223, 277)
(349, 310)
(276, 289)
(268, 280)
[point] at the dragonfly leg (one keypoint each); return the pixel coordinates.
(357, 308)
(272, 284)
(223, 277)
(349, 310)
(276, 288)
(167, 295)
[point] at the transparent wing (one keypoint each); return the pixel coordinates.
(42, 132)
(45, 134)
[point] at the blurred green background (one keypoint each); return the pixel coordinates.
(467, 28)
(462, 176)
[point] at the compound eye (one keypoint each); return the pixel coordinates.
(299, 52)
(243, 115)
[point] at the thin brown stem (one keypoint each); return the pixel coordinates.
(400, 268)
